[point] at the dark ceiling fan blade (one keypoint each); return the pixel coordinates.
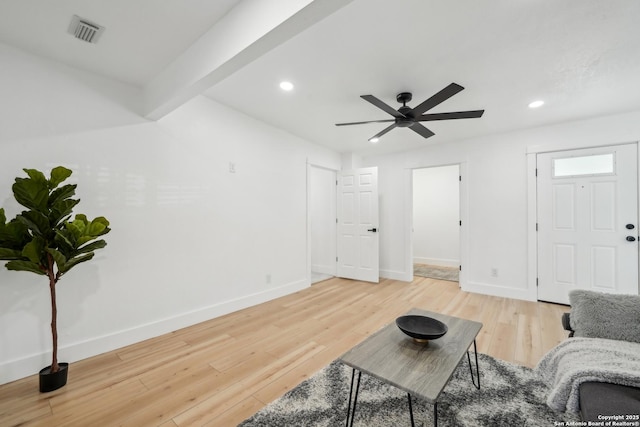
(381, 105)
(449, 116)
(382, 132)
(438, 98)
(362, 123)
(421, 130)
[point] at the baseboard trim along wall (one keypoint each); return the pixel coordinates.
(500, 291)
(324, 269)
(30, 365)
(397, 275)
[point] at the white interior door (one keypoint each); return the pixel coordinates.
(587, 221)
(357, 240)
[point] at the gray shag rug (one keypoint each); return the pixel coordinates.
(436, 272)
(510, 395)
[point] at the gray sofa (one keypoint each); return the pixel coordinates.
(608, 316)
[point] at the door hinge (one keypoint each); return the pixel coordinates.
(460, 267)
(536, 171)
(536, 226)
(336, 220)
(460, 178)
(336, 259)
(336, 182)
(537, 282)
(460, 223)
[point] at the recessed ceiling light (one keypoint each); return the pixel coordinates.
(287, 86)
(536, 104)
(374, 140)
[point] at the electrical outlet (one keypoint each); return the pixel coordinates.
(494, 272)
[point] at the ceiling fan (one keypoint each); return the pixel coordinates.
(411, 117)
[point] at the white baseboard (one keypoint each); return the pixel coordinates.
(324, 269)
(499, 291)
(397, 275)
(29, 365)
(437, 261)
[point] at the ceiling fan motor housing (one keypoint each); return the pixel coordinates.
(409, 117)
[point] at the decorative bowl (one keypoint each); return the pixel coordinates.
(421, 328)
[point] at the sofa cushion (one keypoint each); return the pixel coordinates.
(604, 399)
(601, 315)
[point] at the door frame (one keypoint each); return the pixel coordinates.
(309, 195)
(532, 203)
(464, 215)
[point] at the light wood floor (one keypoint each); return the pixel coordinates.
(222, 371)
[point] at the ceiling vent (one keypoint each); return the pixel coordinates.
(85, 30)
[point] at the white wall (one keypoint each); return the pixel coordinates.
(436, 216)
(322, 210)
(497, 198)
(190, 239)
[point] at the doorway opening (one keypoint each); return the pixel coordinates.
(322, 223)
(436, 222)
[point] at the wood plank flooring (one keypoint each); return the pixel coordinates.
(219, 372)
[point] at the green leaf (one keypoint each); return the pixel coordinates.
(3, 218)
(99, 226)
(34, 250)
(35, 221)
(31, 193)
(24, 266)
(61, 209)
(75, 261)
(84, 239)
(58, 175)
(62, 239)
(75, 231)
(10, 254)
(62, 193)
(14, 235)
(98, 244)
(36, 175)
(59, 258)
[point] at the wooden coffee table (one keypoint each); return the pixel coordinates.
(422, 370)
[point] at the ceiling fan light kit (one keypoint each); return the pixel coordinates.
(407, 117)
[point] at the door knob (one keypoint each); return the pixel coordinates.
(631, 239)
(373, 229)
(630, 226)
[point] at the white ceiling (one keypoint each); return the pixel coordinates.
(582, 57)
(141, 36)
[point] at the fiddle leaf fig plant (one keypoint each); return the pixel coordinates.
(44, 239)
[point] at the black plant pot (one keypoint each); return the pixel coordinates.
(53, 381)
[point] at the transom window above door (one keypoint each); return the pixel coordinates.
(597, 164)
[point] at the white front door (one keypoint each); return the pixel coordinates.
(587, 221)
(358, 224)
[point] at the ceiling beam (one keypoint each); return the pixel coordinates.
(248, 31)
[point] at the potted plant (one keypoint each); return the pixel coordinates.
(44, 240)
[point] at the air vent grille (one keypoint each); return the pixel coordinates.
(85, 30)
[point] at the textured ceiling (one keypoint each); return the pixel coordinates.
(582, 57)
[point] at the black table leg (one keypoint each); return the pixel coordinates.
(410, 410)
(435, 414)
(351, 412)
(475, 351)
